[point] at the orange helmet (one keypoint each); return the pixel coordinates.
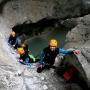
(20, 51)
(53, 43)
(13, 34)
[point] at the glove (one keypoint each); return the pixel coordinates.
(77, 51)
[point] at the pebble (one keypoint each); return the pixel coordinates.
(42, 78)
(45, 87)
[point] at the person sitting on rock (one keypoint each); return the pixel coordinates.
(25, 58)
(13, 40)
(48, 55)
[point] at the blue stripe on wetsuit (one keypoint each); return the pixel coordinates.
(61, 50)
(17, 39)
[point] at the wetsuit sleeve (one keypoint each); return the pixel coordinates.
(61, 50)
(16, 41)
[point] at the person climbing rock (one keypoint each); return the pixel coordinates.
(48, 55)
(13, 40)
(25, 58)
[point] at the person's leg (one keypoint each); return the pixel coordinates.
(41, 67)
(49, 65)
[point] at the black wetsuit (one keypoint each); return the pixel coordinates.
(50, 56)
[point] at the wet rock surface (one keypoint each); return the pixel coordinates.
(34, 10)
(80, 34)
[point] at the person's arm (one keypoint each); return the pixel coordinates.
(61, 50)
(72, 51)
(16, 41)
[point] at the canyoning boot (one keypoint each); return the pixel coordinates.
(40, 69)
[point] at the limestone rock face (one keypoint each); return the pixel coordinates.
(79, 38)
(80, 62)
(80, 34)
(18, 11)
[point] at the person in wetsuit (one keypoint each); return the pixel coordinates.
(48, 55)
